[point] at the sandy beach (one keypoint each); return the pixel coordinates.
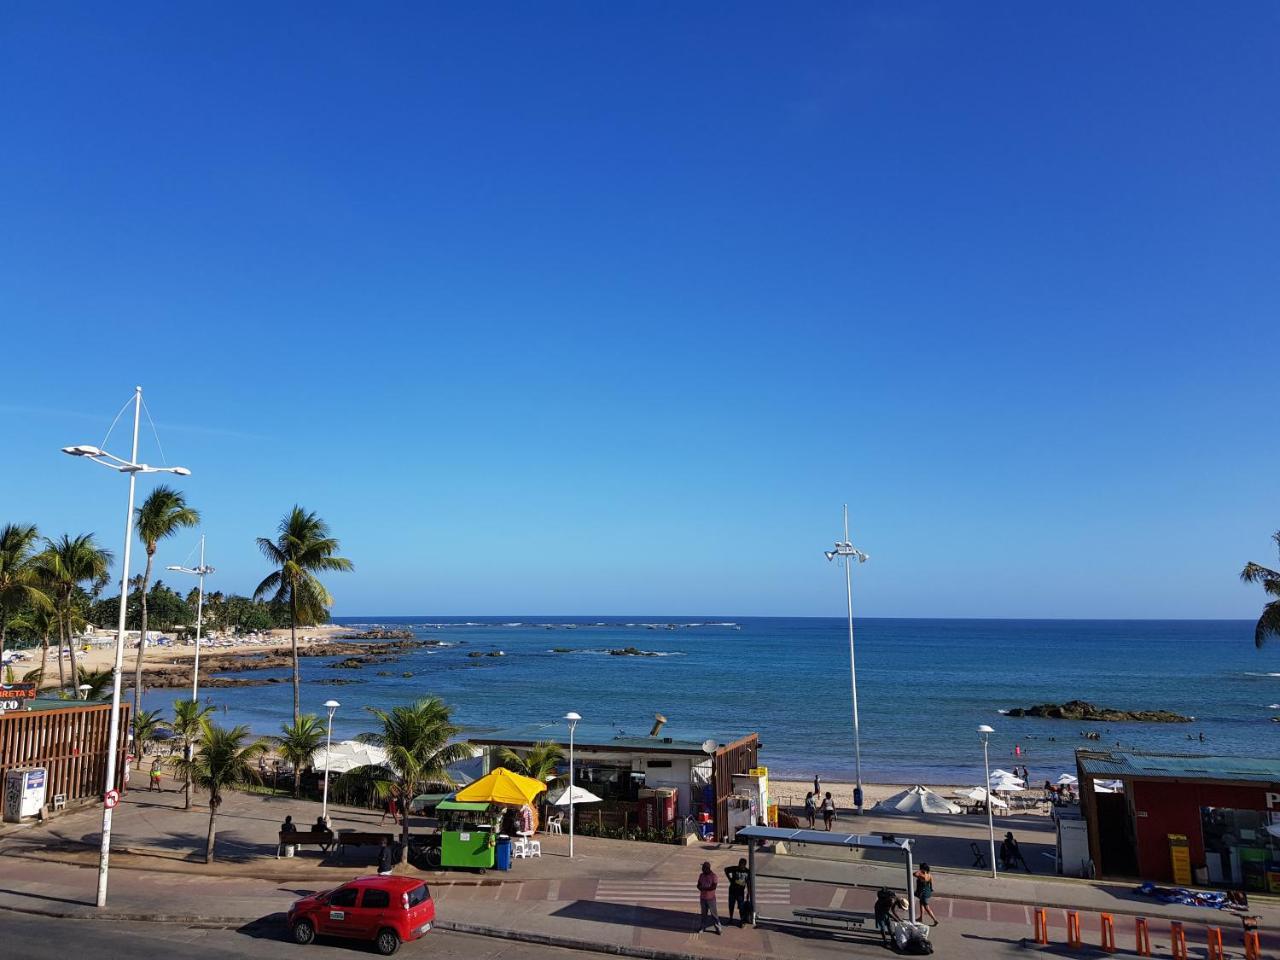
(101, 657)
(791, 793)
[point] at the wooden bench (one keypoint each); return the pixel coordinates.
(847, 918)
(358, 838)
(321, 838)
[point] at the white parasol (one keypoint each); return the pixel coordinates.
(980, 795)
(916, 800)
(579, 795)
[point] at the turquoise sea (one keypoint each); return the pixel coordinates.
(923, 685)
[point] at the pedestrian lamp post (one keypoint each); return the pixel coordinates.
(200, 572)
(332, 706)
(573, 719)
(130, 468)
(844, 550)
(985, 732)
(84, 689)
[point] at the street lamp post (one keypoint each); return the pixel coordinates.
(332, 706)
(573, 719)
(200, 572)
(132, 468)
(846, 551)
(986, 731)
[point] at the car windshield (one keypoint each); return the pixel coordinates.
(417, 895)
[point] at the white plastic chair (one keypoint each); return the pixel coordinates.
(553, 823)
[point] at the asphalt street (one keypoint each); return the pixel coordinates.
(44, 938)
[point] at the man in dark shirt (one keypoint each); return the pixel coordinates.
(738, 878)
(385, 858)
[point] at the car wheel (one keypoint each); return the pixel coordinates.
(303, 932)
(388, 941)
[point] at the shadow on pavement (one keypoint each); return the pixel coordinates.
(27, 894)
(627, 915)
(270, 927)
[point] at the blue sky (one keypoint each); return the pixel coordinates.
(569, 308)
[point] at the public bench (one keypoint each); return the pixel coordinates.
(296, 838)
(849, 919)
(358, 838)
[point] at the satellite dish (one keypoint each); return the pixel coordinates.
(709, 746)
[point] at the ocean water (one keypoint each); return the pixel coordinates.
(923, 686)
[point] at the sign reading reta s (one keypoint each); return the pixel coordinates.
(13, 695)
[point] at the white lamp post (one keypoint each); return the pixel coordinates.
(132, 468)
(200, 572)
(848, 553)
(332, 706)
(986, 732)
(573, 719)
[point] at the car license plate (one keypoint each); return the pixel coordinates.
(422, 929)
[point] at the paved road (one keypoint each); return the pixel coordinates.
(42, 938)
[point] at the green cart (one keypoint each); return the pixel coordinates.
(466, 836)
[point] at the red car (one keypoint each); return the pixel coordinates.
(386, 910)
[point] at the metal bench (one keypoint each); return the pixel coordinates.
(847, 918)
(322, 839)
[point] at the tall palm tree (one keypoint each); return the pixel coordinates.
(299, 743)
(421, 742)
(223, 761)
(65, 564)
(1269, 622)
(302, 548)
(161, 515)
(40, 622)
(189, 719)
(19, 578)
(538, 762)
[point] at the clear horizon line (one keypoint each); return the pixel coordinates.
(672, 617)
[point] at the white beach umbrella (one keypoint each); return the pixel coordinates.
(996, 773)
(1108, 786)
(1007, 786)
(579, 795)
(916, 800)
(1067, 780)
(347, 756)
(980, 795)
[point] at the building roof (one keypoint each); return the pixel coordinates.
(592, 738)
(40, 704)
(1117, 765)
(827, 839)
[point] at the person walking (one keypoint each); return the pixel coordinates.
(155, 775)
(811, 808)
(924, 891)
(828, 810)
(738, 878)
(817, 786)
(392, 810)
(707, 884)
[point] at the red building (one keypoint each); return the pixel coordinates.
(1182, 818)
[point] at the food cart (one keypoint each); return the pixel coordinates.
(465, 836)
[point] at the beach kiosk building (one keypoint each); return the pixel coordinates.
(683, 777)
(1184, 819)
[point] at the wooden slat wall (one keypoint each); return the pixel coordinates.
(737, 757)
(71, 743)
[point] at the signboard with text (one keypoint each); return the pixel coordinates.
(14, 696)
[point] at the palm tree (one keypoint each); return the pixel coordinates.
(302, 548)
(299, 745)
(539, 761)
(64, 565)
(223, 762)
(19, 578)
(96, 680)
(146, 724)
(161, 515)
(40, 622)
(1269, 622)
(189, 719)
(420, 742)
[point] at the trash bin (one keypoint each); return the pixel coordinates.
(502, 853)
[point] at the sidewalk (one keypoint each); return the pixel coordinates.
(615, 895)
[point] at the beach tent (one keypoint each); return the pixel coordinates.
(501, 787)
(579, 795)
(980, 795)
(916, 800)
(347, 756)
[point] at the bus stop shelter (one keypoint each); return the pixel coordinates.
(897, 846)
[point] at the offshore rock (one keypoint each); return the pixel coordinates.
(1085, 711)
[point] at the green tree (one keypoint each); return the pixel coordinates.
(19, 576)
(146, 724)
(64, 566)
(40, 622)
(161, 515)
(302, 548)
(420, 740)
(1269, 622)
(189, 720)
(222, 761)
(299, 743)
(96, 680)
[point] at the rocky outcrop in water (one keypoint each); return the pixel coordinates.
(1084, 711)
(631, 652)
(380, 635)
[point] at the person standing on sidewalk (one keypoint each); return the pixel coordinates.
(828, 810)
(707, 884)
(738, 878)
(811, 809)
(385, 859)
